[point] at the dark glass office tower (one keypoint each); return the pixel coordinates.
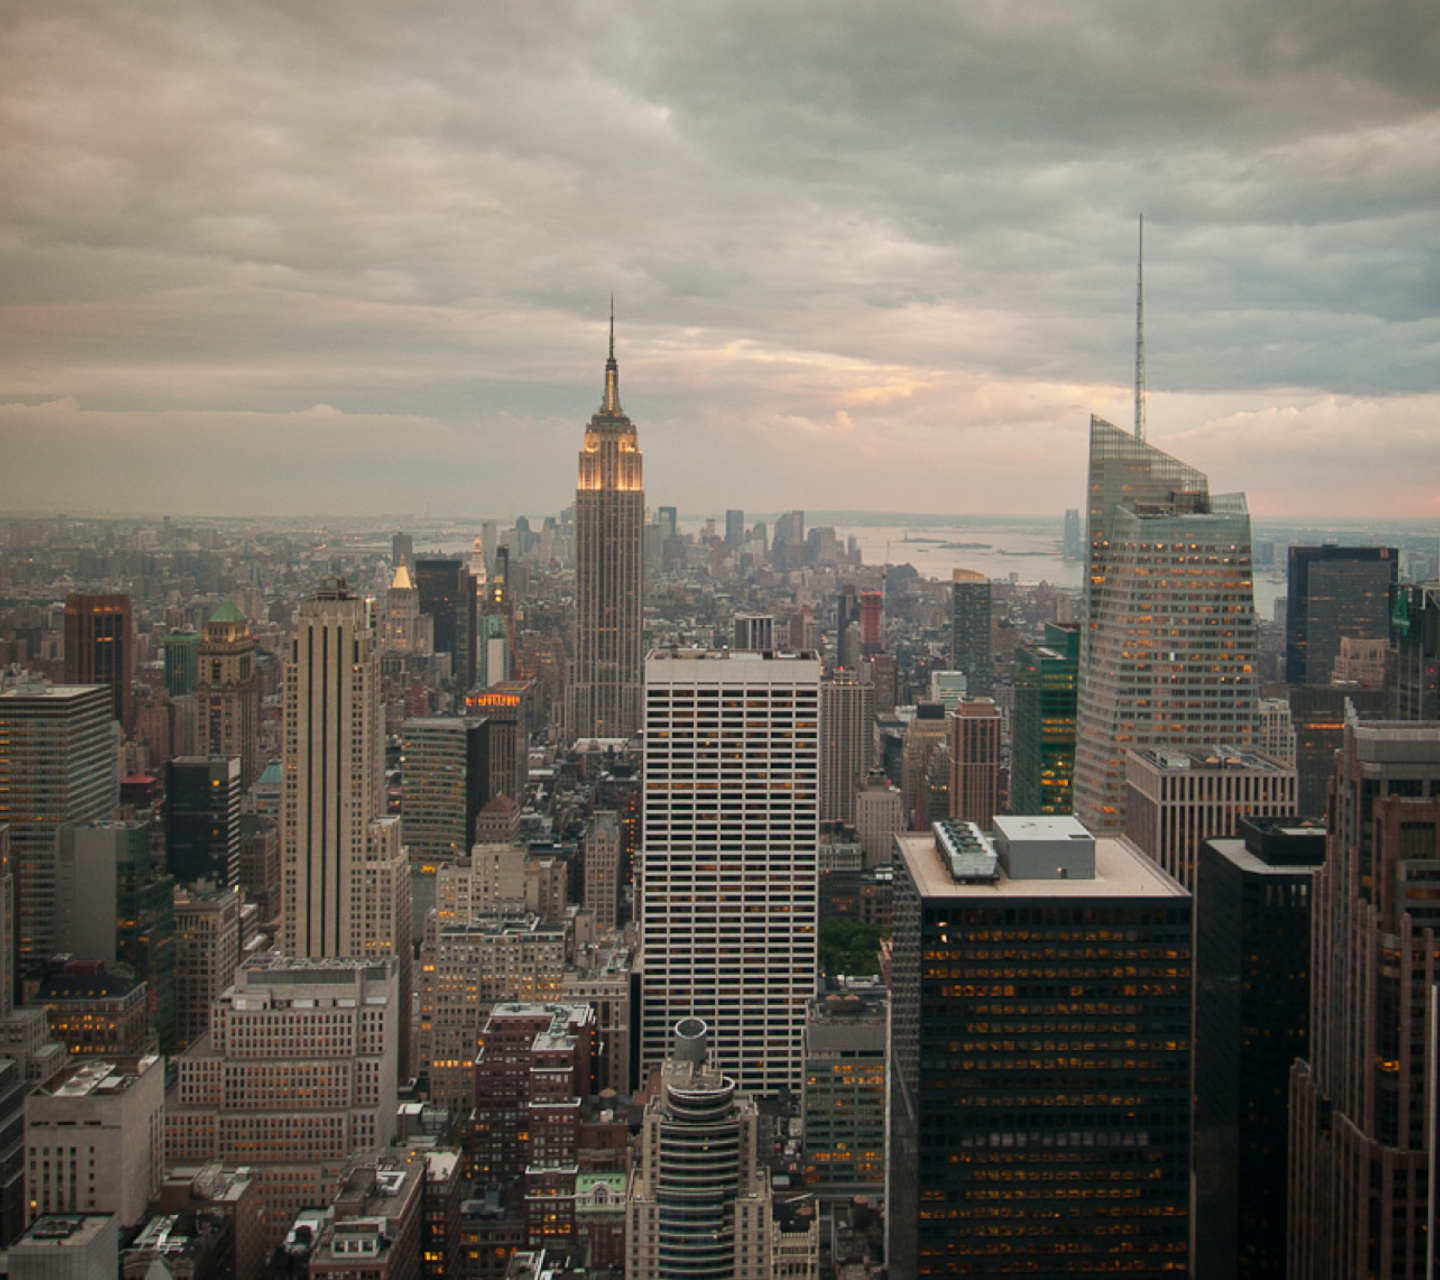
(1252, 1017)
(1042, 752)
(100, 647)
(202, 819)
(1335, 592)
(1416, 695)
(970, 630)
(1040, 1056)
(447, 595)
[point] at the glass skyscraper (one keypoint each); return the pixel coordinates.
(1169, 641)
(1040, 1056)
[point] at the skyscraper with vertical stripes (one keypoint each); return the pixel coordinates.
(345, 877)
(604, 698)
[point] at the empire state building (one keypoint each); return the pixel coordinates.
(604, 698)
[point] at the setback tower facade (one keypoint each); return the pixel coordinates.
(1362, 1124)
(345, 877)
(604, 698)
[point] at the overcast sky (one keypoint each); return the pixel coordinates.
(347, 257)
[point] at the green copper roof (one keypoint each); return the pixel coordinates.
(227, 612)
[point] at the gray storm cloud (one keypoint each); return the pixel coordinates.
(863, 256)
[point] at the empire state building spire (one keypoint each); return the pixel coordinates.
(610, 406)
(604, 700)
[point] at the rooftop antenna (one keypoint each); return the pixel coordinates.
(1140, 336)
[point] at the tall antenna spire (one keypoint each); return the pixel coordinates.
(611, 403)
(1140, 336)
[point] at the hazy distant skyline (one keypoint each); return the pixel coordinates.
(280, 259)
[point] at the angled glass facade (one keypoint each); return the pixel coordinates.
(1168, 649)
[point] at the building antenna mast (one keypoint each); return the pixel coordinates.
(1140, 336)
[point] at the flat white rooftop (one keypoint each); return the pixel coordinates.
(1121, 871)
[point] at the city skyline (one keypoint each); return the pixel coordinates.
(382, 243)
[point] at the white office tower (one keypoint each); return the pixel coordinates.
(700, 1201)
(1168, 650)
(727, 880)
(346, 879)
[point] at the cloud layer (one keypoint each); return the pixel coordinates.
(286, 257)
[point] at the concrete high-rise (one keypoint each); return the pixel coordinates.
(847, 744)
(1362, 1103)
(734, 528)
(532, 1068)
(345, 877)
(207, 953)
(602, 868)
(1040, 1056)
(298, 1072)
(879, 817)
(754, 631)
(227, 693)
(970, 630)
(112, 904)
(927, 732)
(1042, 750)
(445, 772)
(1335, 593)
(58, 763)
(727, 882)
(1175, 800)
(333, 828)
(508, 709)
(872, 622)
(1168, 650)
(603, 700)
(976, 745)
(95, 1139)
(100, 647)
